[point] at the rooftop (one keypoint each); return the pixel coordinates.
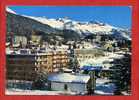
(68, 78)
(90, 51)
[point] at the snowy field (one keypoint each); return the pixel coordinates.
(103, 87)
(36, 92)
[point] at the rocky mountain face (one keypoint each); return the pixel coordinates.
(20, 25)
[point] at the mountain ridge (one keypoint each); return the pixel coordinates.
(63, 27)
(92, 27)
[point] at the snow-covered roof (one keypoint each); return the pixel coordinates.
(16, 45)
(9, 51)
(67, 70)
(7, 43)
(68, 78)
(89, 51)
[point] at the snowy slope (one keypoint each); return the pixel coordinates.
(64, 23)
(83, 28)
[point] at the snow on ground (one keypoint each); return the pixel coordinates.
(102, 81)
(36, 92)
(125, 93)
(103, 87)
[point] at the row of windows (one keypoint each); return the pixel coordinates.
(20, 62)
(18, 69)
(36, 58)
(86, 56)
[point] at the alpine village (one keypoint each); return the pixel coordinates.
(66, 57)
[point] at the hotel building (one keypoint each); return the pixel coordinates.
(28, 66)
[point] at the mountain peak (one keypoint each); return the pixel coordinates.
(81, 28)
(10, 11)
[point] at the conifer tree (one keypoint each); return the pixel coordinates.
(121, 74)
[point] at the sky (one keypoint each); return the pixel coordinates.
(118, 16)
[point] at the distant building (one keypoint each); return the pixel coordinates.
(22, 40)
(16, 41)
(84, 54)
(84, 44)
(69, 82)
(36, 39)
(108, 47)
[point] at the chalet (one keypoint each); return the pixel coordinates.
(78, 83)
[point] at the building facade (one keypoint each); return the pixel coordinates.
(27, 66)
(80, 83)
(60, 59)
(87, 54)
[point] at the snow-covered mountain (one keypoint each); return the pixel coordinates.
(10, 11)
(82, 28)
(65, 23)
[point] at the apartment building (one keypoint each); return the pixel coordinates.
(26, 66)
(86, 54)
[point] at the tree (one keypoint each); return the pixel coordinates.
(39, 82)
(73, 63)
(121, 74)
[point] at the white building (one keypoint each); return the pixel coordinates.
(69, 82)
(20, 39)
